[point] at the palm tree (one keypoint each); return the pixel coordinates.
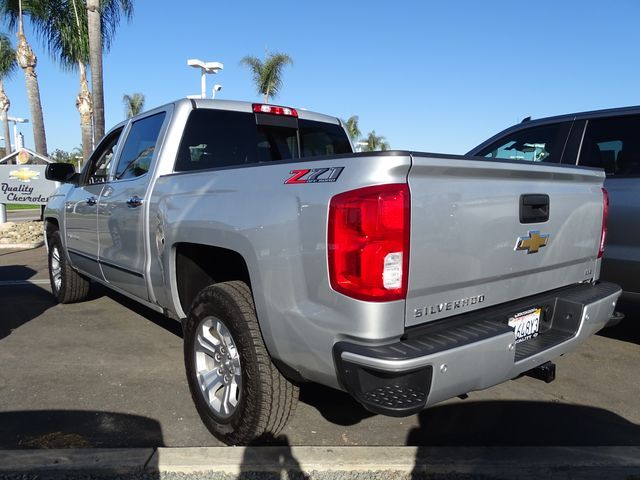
(375, 142)
(61, 25)
(352, 128)
(101, 33)
(267, 75)
(7, 67)
(27, 60)
(133, 104)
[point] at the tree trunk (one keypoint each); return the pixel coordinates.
(28, 61)
(35, 108)
(95, 62)
(4, 110)
(83, 104)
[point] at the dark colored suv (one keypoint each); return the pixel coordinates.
(607, 139)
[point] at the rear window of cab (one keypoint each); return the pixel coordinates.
(220, 138)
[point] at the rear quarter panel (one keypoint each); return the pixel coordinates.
(281, 232)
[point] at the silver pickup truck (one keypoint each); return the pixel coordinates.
(402, 278)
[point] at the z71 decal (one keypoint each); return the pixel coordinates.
(314, 175)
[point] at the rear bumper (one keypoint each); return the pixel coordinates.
(454, 356)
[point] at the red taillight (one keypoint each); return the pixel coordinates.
(368, 242)
(605, 216)
(274, 110)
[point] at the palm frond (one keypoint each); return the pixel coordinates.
(352, 127)
(111, 11)
(272, 73)
(255, 65)
(61, 27)
(9, 12)
(133, 104)
(267, 75)
(8, 63)
(375, 142)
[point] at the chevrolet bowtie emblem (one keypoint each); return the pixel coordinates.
(533, 242)
(24, 174)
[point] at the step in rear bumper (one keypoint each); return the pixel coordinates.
(474, 351)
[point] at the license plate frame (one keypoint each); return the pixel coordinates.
(526, 324)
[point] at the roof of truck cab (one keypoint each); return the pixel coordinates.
(240, 106)
(229, 105)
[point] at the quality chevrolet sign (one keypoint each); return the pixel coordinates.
(22, 179)
(25, 184)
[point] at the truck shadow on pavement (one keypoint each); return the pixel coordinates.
(48, 429)
(269, 462)
(335, 406)
(16, 272)
(20, 302)
(628, 330)
(522, 423)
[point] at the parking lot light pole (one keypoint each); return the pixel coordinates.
(15, 121)
(205, 68)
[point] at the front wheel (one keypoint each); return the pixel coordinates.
(238, 392)
(67, 285)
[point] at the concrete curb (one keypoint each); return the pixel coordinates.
(112, 460)
(21, 246)
(506, 462)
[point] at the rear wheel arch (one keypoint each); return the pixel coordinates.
(197, 266)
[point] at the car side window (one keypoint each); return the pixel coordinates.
(612, 144)
(536, 144)
(100, 161)
(139, 146)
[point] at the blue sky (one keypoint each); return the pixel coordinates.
(431, 76)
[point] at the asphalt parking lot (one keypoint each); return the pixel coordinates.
(109, 373)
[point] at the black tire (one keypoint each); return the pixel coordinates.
(266, 398)
(71, 287)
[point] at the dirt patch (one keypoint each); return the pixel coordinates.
(56, 440)
(20, 233)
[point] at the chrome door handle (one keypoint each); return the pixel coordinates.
(91, 201)
(134, 202)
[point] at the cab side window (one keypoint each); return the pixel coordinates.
(139, 147)
(537, 144)
(612, 144)
(100, 161)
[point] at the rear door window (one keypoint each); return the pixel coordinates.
(612, 144)
(537, 144)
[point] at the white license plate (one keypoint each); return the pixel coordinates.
(526, 324)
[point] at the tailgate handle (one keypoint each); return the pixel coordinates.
(534, 208)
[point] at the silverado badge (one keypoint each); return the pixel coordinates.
(533, 242)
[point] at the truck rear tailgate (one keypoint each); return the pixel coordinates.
(466, 223)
